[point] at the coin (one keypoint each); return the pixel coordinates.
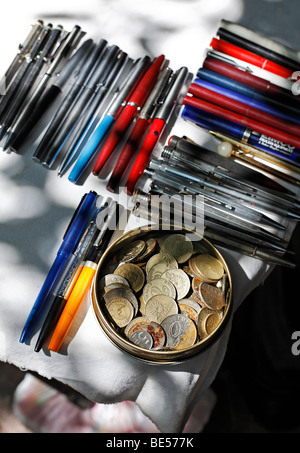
(112, 278)
(196, 282)
(159, 307)
(160, 258)
(157, 270)
(189, 311)
(124, 293)
(133, 274)
(142, 339)
(181, 331)
(149, 249)
(155, 330)
(209, 268)
(121, 311)
(180, 280)
(179, 246)
(208, 321)
(211, 296)
(159, 286)
(131, 251)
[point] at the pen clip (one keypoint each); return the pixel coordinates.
(228, 60)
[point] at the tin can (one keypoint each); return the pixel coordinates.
(115, 334)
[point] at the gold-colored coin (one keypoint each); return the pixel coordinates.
(149, 249)
(159, 286)
(121, 311)
(159, 307)
(209, 268)
(211, 296)
(133, 274)
(124, 293)
(131, 251)
(160, 258)
(157, 270)
(181, 331)
(208, 321)
(109, 279)
(179, 246)
(180, 280)
(196, 282)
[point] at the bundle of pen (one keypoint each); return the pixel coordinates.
(99, 98)
(246, 94)
(243, 209)
(71, 274)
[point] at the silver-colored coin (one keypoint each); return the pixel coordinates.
(181, 331)
(131, 251)
(179, 246)
(180, 280)
(124, 293)
(159, 286)
(142, 339)
(160, 258)
(157, 270)
(109, 279)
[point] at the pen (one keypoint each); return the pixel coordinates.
(91, 147)
(260, 39)
(243, 93)
(87, 116)
(105, 63)
(286, 84)
(68, 281)
(251, 46)
(249, 57)
(69, 244)
(138, 131)
(65, 48)
(33, 73)
(85, 279)
(63, 110)
(136, 102)
(266, 87)
(156, 128)
(210, 120)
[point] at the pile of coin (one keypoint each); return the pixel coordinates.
(163, 294)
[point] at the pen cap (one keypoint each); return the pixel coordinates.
(176, 86)
(147, 82)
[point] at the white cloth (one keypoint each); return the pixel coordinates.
(36, 205)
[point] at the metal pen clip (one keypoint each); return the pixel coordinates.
(228, 60)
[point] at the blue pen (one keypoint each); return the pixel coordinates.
(213, 122)
(247, 95)
(92, 145)
(71, 239)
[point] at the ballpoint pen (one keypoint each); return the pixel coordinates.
(85, 279)
(266, 87)
(92, 145)
(247, 121)
(138, 131)
(250, 57)
(287, 84)
(262, 51)
(24, 49)
(105, 64)
(33, 73)
(70, 69)
(69, 244)
(240, 92)
(70, 277)
(242, 108)
(261, 39)
(210, 121)
(82, 78)
(158, 124)
(130, 111)
(87, 118)
(62, 53)
(27, 63)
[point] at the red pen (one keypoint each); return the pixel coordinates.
(129, 112)
(245, 121)
(138, 131)
(250, 57)
(156, 129)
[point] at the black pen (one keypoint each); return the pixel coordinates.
(62, 53)
(105, 64)
(87, 115)
(69, 71)
(68, 101)
(34, 72)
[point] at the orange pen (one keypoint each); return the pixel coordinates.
(82, 284)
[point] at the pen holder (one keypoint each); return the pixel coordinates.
(135, 303)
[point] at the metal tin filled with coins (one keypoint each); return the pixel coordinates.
(170, 298)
